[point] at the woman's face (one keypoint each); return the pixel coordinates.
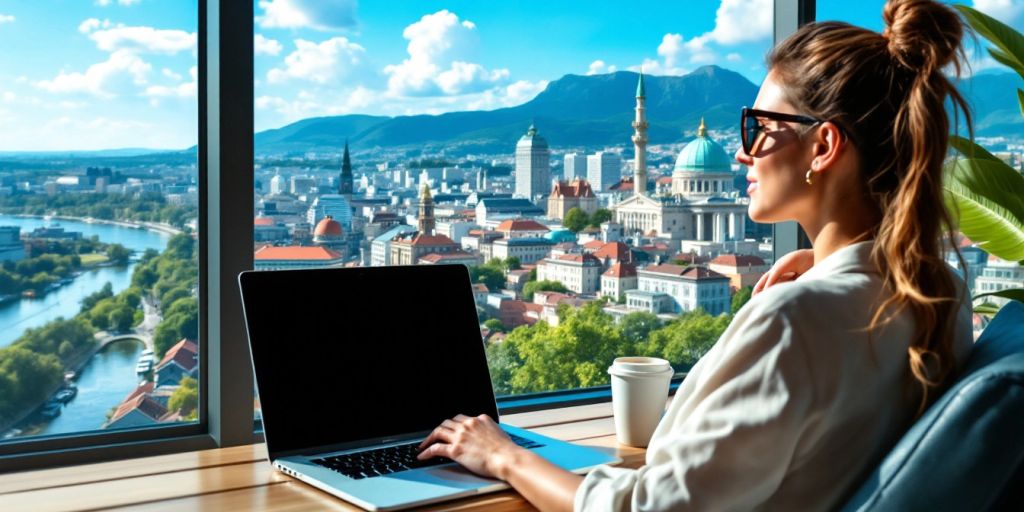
(778, 162)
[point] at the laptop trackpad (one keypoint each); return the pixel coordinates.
(449, 476)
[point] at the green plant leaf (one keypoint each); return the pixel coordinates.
(1009, 42)
(987, 309)
(969, 149)
(1012, 294)
(986, 198)
(1005, 60)
(1020, 100)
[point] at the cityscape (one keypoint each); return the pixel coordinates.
(600, 215)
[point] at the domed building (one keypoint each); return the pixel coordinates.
(702, 211)
(329, 233)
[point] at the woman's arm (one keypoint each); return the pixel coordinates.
(482, 446)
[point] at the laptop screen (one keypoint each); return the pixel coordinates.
(349, 354)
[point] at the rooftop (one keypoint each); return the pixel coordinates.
(295, 252)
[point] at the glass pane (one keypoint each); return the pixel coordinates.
(991, 90)
(98, 212)
(501, 136)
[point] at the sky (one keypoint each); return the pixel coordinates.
(105, 74)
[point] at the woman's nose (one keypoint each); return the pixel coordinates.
(742, 157)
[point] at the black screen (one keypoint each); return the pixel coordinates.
(349, 354)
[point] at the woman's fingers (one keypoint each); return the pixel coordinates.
(442, 433)
(436, 450)
(760, 283)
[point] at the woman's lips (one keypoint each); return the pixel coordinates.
(751, 187)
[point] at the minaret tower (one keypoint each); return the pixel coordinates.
(640, 140)
(426, 219)
(345, 183)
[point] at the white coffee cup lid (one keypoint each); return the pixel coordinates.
(639, 366)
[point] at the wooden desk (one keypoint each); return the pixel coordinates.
(240, 478)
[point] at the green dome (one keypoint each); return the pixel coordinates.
(703, 155)
(560, 235)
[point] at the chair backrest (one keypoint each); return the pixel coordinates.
(964, 452)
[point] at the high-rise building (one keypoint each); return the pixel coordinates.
(345, 183)
(278, 185)
(575, 166)
(603, 170)
(533, 165)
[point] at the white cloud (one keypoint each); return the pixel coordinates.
(106, 79)
(599, 67)
(440, 59)
(92, 24)
(185, 90)
(6, 18)
(9, 96)
(319, 63)
(171, 74)
(104, 3)
(736, 22)
(317, 14)
(266, 46)
(141, 39)
(1006, 11)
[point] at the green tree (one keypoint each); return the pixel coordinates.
(494, 325)
(92, 299)
(511, 263)
(488, 275)
(26, 377)
(741, 297)
(686, 339)
(575, 220)
(600, 216)
(118, 254)
(636, 327)
(121, 318)
(185, 398)
(533, 287)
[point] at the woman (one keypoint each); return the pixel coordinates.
(815, 379)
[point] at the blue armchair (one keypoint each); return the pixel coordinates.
(967, 451)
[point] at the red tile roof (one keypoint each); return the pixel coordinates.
(578, 188)
(665, 180)
(621, 270)
(480, 287)
(625, 184)
(702, 273)
(436, 257)
(582, 258)
(263, 221)
(738, 260)
(550, 298)
(617, 251)
(295, 252)
(675, 270)
(689, 257)
(327, 227)
(431, 241)
(143, 388)
(144, 404)
(184, 353)
(593, 245)
(521, 225)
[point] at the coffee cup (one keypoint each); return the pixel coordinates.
(639, 392)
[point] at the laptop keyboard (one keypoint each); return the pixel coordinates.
(392, 459)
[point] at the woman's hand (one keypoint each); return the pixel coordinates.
(477, 443)
(788, 268)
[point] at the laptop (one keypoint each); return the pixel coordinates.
(356, 366)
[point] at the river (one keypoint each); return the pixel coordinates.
(110, 374)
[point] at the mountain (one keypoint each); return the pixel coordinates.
(572, 111)
(993, 99)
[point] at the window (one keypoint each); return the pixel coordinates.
(100, 259)
(989, 92)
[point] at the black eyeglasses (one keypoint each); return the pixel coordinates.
(750, 127)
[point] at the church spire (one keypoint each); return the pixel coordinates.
(426, 217)
(702, 131)
(640, 91)
(345, 181)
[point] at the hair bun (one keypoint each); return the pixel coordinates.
(923, 35)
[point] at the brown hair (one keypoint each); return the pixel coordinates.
(887, 93)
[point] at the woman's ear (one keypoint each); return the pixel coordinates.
(829, 144)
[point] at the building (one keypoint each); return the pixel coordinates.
(742, 270)
(140, 411)
(617, 280)
(278, 185)
(604, 170)
(380, 247)
(975, 258)
(702, 204)
(575, 166)
(452, 258)
(611, 253)
(527, 250)
(329, 233)
(11, 246)
(410, 248)
(293, 256)
(580, 273)
(533, 166)
(996, 276)
(299, 185)
(566, 196)
(640, 139)
(181, 360)
(688, 287)
(496, 210)
(335, 205)
(345, 181)
(522, 228)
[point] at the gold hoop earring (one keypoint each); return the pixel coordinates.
(807, 178)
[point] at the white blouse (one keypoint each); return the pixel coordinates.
(791, 407)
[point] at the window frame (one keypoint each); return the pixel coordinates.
(225, 236)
